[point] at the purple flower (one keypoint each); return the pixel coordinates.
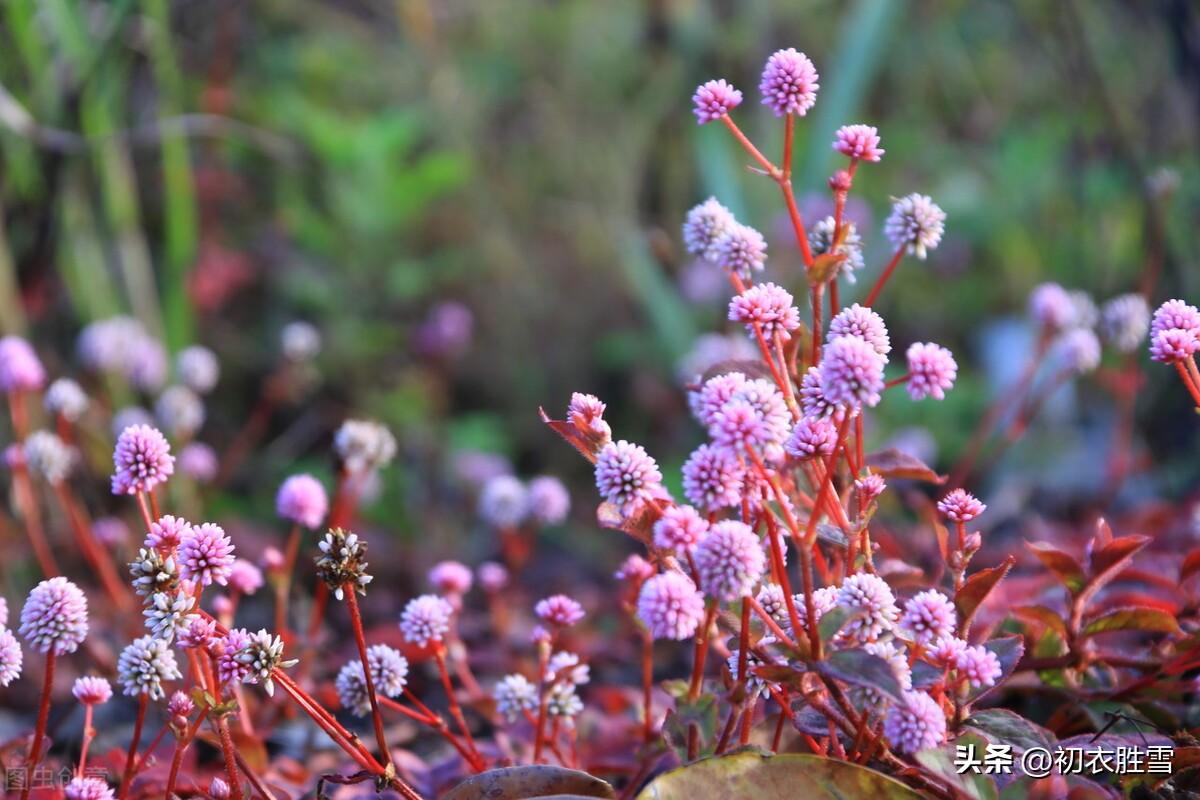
(92, 690)
(245, 577)
(180, 411)
(10, 657)
(146, 367)
(863, 323)
(870, 487)
(20, 369)
(916, 224)
(741, 250)
(55, 617)
(586, 413)
(931, 371)
(198, 461)
(789, 83)
(447, 330)
(167, 533)
(301, 499)
(87, 789)
(713, 478)
(142, 460)
(670, 606)
(549, 502)
(450, 577)
(915, 723)
(1175, 314)
(426, 619)
(679, 529)
(980, 666)
(825, 600)
(960, 506)
(859, 141)
(851, 373)
(559, 609)
(634, 569)
(1124, 321)
(230, 668)
(1174, 345)
(504, 502)
(729, 561)
(198, 368)
(869, 597)
(218, 788)
(812, 437)
(768, 305)
(514, 696)
(945, 652)
(813, 401)
(201, 634)
(626, 474)
(714, 100)
(929, 616)
(756, 415)
(179, 708)
(205, 555)
(144, 665)
(715, 393)
(1051, 307)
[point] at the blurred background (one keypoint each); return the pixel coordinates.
(477, 206)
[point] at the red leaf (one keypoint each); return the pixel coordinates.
(976, 589)
(893, 463)
(1107, 563)
(1132, 619)
(1048, 617)
(570, 434)
(1061, 564)
(637, 524)
(1191, 565)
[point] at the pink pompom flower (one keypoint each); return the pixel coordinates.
(560, 610)
(915, 723)
(931, 370)
(670, 606)
(301, 499)
(713, 100)
(960, 506)
(626, 474)
(142, 459)
(205, 555)
(55, 617)
(858, 141)
(730, 561)
(789, 83)
(679, 529)
(770, 307)
(92, 690)
(929, 616)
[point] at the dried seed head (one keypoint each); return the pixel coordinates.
(343, 562)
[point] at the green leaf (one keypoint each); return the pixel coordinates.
(1136, 618)
(940, 760)
(524, 783)
(703, 714)
(832, 622)
(1011, 728)
(860, 668)
(779, 777)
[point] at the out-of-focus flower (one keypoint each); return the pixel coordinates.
(916, 224)
(130, 416)
(504, 502)
(493, 577)
(929, 616)
(426, 619)
(244, 577)
(741, 249)
(87, 789)
(1124, 321)
(48, 456)
(364, 445)
(20, 369)
(198, 368)
(549, 502)
(1078, 350)
(915, 723)
(713, 100)
(55, 617)
(198, 461)
(446, 331)
(300, 341)
(514, 696)
(92, 690)
(560, 610)
(110, 531)
(634, 569)
(66, 398)
(450, 578)
(789, 83)
(180, 411)
(960, 506)
(820, 242)
(1051, 307)
(301, 499)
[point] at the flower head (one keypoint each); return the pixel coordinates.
(20, 369)
(713, 477)
(1172, 345)
(929, 616)
(198, 368)
(586, 413)
(559, 609)
(343, 562)
(87, 789)
(1175, 314)
(92, 690)
(198, 461)
(916, 224)
(179, 708)
(218, 788)
(205, 555)
(871, 598)
(426, 619)
(1051, 307)
(713, 394)
(180, 411)
(931, 369)
(262, 654)
(493, 576)
(811, 438)
(960, 506)
(789, 83)
(55, 617)
(870, 487)
(773, 601)
(144, 665)
(300, 341)
(230, 669)
(364, 445)
(146, 367)
(168, 615)
(813, 401)
(549, 501)
(679, 529)
(10, 657)
(714, 100)
(820, 242)
(634, 569)
(1078, 350)
(730, 561)
(301, 499)
(755, 416)
(515, 695)
(980, 666)
(670, 606)
(563, 701)
(825, 600)
(863, 323)
(451, 578)
(65, 398)
(245, 577)
(770, 307)
(167, 533)
(504, 502)
(626, 474)
(741, 250)
(48, 456)
(142, 460)
(566, 667)
(1124, 321)
(200, 634)
(945, 651)
(389, 676)
(152, 572)
(915, 723)
(851, 373)
(858, 141)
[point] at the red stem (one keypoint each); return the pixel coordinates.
(127, 776)
(39, 731)
(361, 641)
(883, 278)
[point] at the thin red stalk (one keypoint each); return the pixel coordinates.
(770, 622)
(749, 147)
(647, 683)
(89, 733)
(98, 558)
(883, 278)
(231, 770)
(39, 731)
(897, 381)
(145, 509)
(139, 722)
(1184, 375)
(181, 746)
(141, 762)
(456, 712)
(31, 515)
(816, 299)
(361, 641)
(540, 724)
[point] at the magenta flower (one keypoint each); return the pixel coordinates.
(729, 561)
(20, 369)
(945, 652)
(503, 502)
(200, 634)
(714, 100)
(916, 224)
(863, 323)
(679, 529)
(626, 474)
(230, 668)
(960, 506)
(549, 502)
(741, 249)
(929, 616)
(559, 609)
(426, 619)
(142, 460)
(915, 723)
(55, 617)
(205, 555)
(586, 413)
(1174, 345)
(813, 401)
(713, 394)
(931, 371)
(87, 789)
(851, 373)
(450, 577)
(670, 606)
(92, 690)
(825, 600)
(11, 657)
(870, 487)
(756, 416)
(812, 437)
(301, 499)
(859, 141)
(789, 83)
(980, 666)
(770, 306)
(167, 533)
(1175, 314)
(713, 478)
(66, 398)
(634, 569)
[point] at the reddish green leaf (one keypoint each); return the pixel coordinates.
(824, 267)
(976, 589)
(1048, 617)
(860, 668)
(1011, 728)
(1137, 618)
(1064, 566)
(639, 525)
(570, 434)
(893, 463)
(751, 774)
(525, 783)
(1108, 561)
